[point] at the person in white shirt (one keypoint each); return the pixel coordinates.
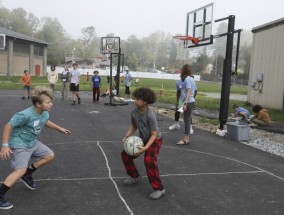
(52, 78)
(127, 82)
(74, 83)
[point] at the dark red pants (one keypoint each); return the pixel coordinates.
(150, 161)
(96, 93)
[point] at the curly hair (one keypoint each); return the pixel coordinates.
(145, 94)
(235, 106)
(39, 93)
(185, 70)
(256, 108)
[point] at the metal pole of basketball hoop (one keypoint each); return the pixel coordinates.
(110, 82)
(227, 71)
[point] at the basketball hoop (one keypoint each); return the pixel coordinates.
(110, 45)
(194, 40)
(182, 44)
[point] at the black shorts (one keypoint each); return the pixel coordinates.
(127, 90)
(74, 88)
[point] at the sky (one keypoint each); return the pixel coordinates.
(124, 18)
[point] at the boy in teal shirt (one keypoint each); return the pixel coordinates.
(20, 143)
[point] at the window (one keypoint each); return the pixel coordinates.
(2, 41)
(38, 50)
(23, 48)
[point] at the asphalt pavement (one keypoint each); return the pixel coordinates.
(211, 175)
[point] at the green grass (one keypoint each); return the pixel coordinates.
(202, 101)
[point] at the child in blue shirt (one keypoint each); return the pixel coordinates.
(240, 112)
(20, 143)
(187, 95)
(96, 79)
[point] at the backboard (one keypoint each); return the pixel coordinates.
(199, 25)
(110, 45)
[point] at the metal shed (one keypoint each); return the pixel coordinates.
(266, 79)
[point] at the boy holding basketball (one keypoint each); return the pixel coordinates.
(20, 143)
(144, 119)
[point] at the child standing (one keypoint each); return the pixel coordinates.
(127, 82)
(179, 103)
(75, 76)
(96, 79)
(144, 119)
(52, 78)
(87, 77)
(26, 79)
(65, 78)
(187, 96)
(20, 143)
(176, 125)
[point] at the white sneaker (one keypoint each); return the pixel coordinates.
(174, 126)
(157, 194)
(131, 181)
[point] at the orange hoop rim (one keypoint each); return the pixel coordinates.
(195, 40)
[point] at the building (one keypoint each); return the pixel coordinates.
(266, 77)
(88, 63)
(22, 52)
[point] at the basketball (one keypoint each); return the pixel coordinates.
(131, 143)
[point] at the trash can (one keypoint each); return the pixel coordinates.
(238, 131)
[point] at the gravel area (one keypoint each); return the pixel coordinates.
(263, 140)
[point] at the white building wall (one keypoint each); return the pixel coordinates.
(267, 58)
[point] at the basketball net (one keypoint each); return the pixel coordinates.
(182, 42)
(181, 50)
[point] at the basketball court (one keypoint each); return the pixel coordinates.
(212, 175)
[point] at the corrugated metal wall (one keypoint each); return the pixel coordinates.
(267, 57)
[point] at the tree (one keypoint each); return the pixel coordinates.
(132, 61)
(132, 50)
(5, 17)
(90, 42)
(33, 24)
(18, 21)
(200, 65)
(53, 33)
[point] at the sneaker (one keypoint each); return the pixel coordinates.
(23, 97)
(131, 181)
(174, 126)
(157, 194)
(4, 204)
(29, 182)
(182, 142)
(79, 100)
